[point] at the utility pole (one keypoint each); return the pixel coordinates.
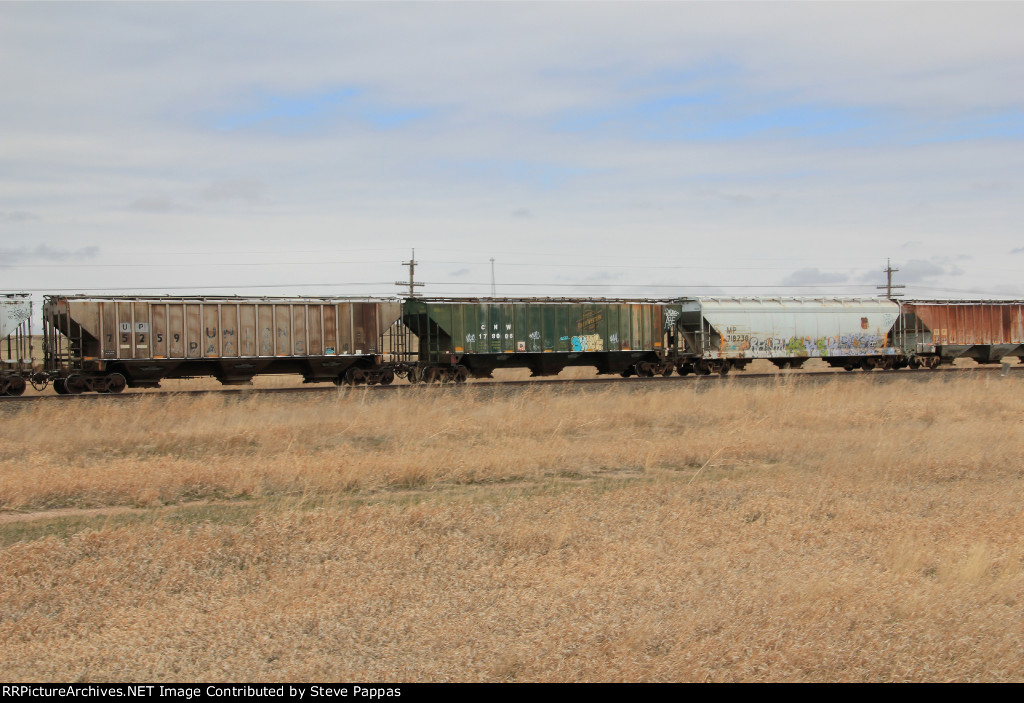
(889, 285)
(494, 290)
(411, 263)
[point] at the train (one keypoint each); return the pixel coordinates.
(104, 344)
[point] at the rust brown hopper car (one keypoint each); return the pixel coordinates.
(939, 331)
(104, 344)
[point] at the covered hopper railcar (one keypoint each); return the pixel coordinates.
(15, 342)
(464, 337)
(940, 331)
(720, 334)
(103, 344)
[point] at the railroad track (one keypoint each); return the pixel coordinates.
(823, 376)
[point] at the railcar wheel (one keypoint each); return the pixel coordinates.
(644, 370)
(115, 383)
(414, 374)
(915, 363)
(4, 384)
(353, 376)
(461, 374)
(386, 377)
(666, 370)
(702, 368)
(60, 386)
(626, 373)
(866, 365)
(75, 384)
(16, 386)
(724, 368)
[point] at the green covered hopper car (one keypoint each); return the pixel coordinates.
(462, 337)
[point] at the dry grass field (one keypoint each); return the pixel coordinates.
(790, 531)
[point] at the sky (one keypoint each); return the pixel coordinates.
(615, 149)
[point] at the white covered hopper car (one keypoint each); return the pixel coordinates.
(719, 334)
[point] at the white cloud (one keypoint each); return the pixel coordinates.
(242, 189)
(717, 135)
(17, 216)
(814, 276)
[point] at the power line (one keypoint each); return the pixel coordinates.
(687, 286)
(190, 265)
(333, 284)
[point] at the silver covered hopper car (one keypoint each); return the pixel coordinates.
(724, 333)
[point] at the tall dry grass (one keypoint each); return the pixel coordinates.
(789, 531)
(155, 450)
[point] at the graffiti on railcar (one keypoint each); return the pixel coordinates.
(839, 345)
(670, 317)
(16, 314)
(534, 338)
(589, 342)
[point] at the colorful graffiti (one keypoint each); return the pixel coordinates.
(839, 345)
(585, 343)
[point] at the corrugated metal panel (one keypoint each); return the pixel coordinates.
(212, 328)
(970, 322)
(512, 326)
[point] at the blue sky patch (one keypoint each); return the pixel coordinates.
(287, 114)
(1001, 125)
(713, 117)
(294, 114)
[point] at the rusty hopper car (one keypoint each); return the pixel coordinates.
(15, 342)
(105, 343)
(724, 333)
(939, 331)
(462, 337)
